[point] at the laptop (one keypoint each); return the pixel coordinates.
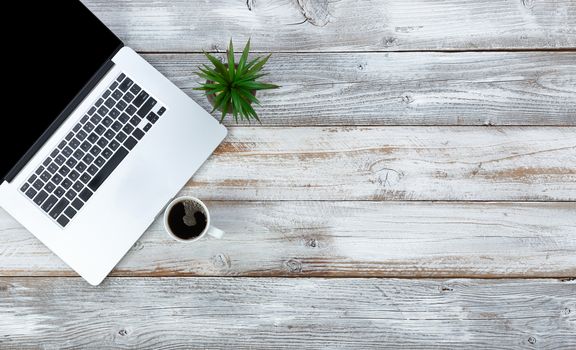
(95, 141)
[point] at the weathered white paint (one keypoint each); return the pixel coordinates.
(470, 88)
(391, 163)
(345, 239)
(346, 25)
(264, 313)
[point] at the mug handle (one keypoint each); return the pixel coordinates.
(215, 232)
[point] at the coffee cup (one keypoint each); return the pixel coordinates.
(187, 219)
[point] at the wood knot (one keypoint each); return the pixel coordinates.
(407, 99)
(250, 4)
(293, 266)
(390, 41)
(221, 261)
(446, 289)
(529, 4)
(312, 243)
(361, 66)
(532, 340)
(566, 311)
(123, 332)
(137, 246)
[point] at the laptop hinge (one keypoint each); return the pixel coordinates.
(100, 73)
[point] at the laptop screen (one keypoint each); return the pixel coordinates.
(47, 61)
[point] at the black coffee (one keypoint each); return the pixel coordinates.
(186, 221)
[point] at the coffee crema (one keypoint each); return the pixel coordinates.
(186, 220)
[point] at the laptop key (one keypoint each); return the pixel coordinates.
(152, 117)
(114, 85)
(88, 158)
(121, 136)
(100, 129)
(85, 118)
(31, 193)
(121, 105)
(128, 97)
(59, 160)
(107, 169)
(95, 150)
(60, 146)
(128, 128)
(78, 154)
(107, 121)
(98, 103)
(124, 118)
(52, 168)
(85, 178)
(114, 145)
(88, 127)
(64, 170)
(63, 221)
(80, 167)
(49, 187)
(106, 94)
(73, 175)
(130, 142)
(135, 89)
(147, 127)
(140, 99)
(126, 84)
(59, 208)
(66, 183)
(78, 186)
(116, 126)
(39, 170)
(74, 143)
(109, 134)
(45, 176)
(59, 191)
(86, 145)
(161, 111)
(81, 135)
(107, 153)
(102, 111)
(49, 203)
(99, 161)
(85, 194)
(110, 102)
(135, 120)
(96, 119)
(71, 162)
(121, 77)
(76, 127)
(24, 187)
(38, 185)
(67, 151)
(56, 178)
(92, 110)
(117, 95)
(114, 113)
(77, 204)
(147, 107)
(71, 194)
(46, 161)
(40, 197)
(69, 136)
(102, 142)
(93, 137)
(131, 109)
(138, 134)
(70, 212)
(92, 169)
(32, 178)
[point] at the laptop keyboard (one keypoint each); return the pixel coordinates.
(91, 151)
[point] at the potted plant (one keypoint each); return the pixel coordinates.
(231, 87)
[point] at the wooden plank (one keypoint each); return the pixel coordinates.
(392, 163)
(471, 88)
(341, 239)
(188, 313)
(323, 25)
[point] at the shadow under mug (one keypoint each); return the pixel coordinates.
(199, 206)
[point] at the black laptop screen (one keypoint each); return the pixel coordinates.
(57, 49)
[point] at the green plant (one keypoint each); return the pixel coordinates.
(232, 87)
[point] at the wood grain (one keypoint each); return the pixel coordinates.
(341, 239)
(471, 88)
(187, 313)
(348, 25)
(391, 163)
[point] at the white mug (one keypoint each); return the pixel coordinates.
(198, 205)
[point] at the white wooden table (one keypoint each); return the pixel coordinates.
(413, 185)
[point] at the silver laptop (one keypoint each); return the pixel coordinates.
(103, 142)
